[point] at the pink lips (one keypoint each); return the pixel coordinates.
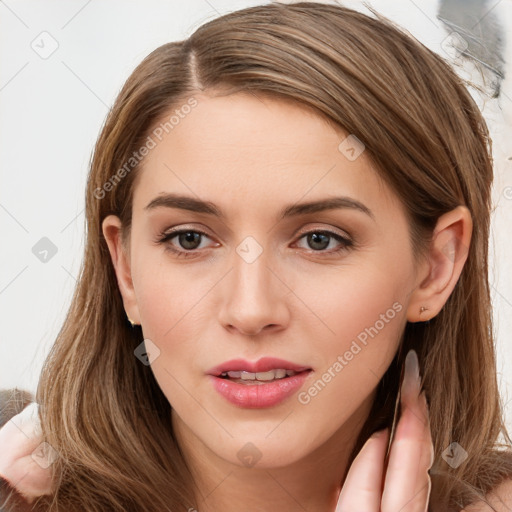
(255, 396)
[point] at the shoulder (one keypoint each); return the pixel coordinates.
(500, 498)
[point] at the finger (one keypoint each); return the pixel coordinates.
(362, 488)
(407, 482)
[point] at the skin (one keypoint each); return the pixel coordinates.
(20, 437)
(298, 300)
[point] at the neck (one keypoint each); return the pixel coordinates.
(312, 482)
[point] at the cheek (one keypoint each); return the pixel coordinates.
(356, 301)
(167, 298)
(168, 303)
(176, 312)
(363, 316)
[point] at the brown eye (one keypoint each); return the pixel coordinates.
(318, 241)
(188, 241)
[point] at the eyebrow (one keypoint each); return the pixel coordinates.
(192, 204)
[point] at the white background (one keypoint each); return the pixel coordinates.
(52, 110)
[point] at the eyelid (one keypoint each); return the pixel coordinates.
(183, 227)
(170, 233)
(330, 229)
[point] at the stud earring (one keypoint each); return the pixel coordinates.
(422, 310)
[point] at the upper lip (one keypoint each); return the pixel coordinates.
(261, 365)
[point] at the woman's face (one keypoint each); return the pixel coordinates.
(262, 284)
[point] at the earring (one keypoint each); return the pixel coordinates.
(422, 310)
(131, 321)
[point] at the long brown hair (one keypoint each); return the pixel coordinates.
(102, 410)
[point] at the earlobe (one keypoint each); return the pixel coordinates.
(111, 227)
(439, 275)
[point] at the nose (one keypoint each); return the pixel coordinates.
(255, 298)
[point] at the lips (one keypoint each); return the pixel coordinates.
(262, 365)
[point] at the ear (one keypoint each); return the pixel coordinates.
(120, 255)
(441, 271)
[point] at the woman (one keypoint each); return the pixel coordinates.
(298, 194)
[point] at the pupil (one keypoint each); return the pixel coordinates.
(189, 237)
(314, 239)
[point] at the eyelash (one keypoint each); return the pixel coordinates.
(165, 237)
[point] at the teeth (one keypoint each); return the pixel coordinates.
(265, 376)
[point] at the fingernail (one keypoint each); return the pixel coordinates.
(432, 456)
(425, 407)
(411, 380)
(379, 433)
(423, 397)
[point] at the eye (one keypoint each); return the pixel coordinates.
(319, 240)
(188, 239)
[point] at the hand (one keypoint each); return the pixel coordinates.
(22, 462)
(406, 484)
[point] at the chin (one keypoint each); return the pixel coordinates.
(262, 452)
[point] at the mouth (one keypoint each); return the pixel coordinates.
(260, 384)
(264, 369)
(259, 378)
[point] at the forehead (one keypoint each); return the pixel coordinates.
(244, 150)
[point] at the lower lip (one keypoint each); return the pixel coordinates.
(257, 396)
